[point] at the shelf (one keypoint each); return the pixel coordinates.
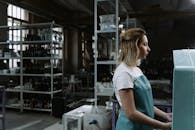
(107, 31)
(10, 74)
(104, 89)
(106, 34)
(13, 90)
(42, 46)
(6, 58)
(111, 62)
(37, 109)
(31, 91)
(17, 106)
(162, 101)
(101, 0)
(104, 94)
(42, 58)
(41, 92)
(40, 75)
(160, 82)
(31, 26)
(46, 75)
(28, 42)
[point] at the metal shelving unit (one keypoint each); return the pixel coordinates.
(106, 41)
(39, 44)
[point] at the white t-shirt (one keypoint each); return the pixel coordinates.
(124, 77)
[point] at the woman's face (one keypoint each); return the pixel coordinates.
(144, 48)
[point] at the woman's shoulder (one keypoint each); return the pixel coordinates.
(133, 71)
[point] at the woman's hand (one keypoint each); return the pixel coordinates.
(164, 115)
(168, 116)
(167, 126)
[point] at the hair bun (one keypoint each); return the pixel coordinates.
(124, 36)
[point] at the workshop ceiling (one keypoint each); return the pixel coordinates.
(81, 11)
(66, 12)
(162, 17)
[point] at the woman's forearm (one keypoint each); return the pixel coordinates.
(160, 113)
(142, 118)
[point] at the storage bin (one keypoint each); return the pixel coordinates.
(109, 18)
(107, 22)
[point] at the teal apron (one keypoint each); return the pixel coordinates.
(143, 102)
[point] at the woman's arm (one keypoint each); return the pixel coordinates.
(160, 113)
(128, 103)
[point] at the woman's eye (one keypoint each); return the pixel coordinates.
(145, 44)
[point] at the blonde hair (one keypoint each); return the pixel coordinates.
(129, 41)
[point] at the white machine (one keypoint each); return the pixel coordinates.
(100, 118)
(88, 117)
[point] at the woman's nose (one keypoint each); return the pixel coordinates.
(149, 48)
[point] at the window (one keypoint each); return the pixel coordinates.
(16, 16)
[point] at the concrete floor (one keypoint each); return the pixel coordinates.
(32, 120)
(28, 120)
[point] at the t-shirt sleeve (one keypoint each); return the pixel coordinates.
(124, 80)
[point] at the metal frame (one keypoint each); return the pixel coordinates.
(2, 116)
(96, 32)
(52, 58)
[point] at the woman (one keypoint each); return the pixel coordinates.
(132, 89)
